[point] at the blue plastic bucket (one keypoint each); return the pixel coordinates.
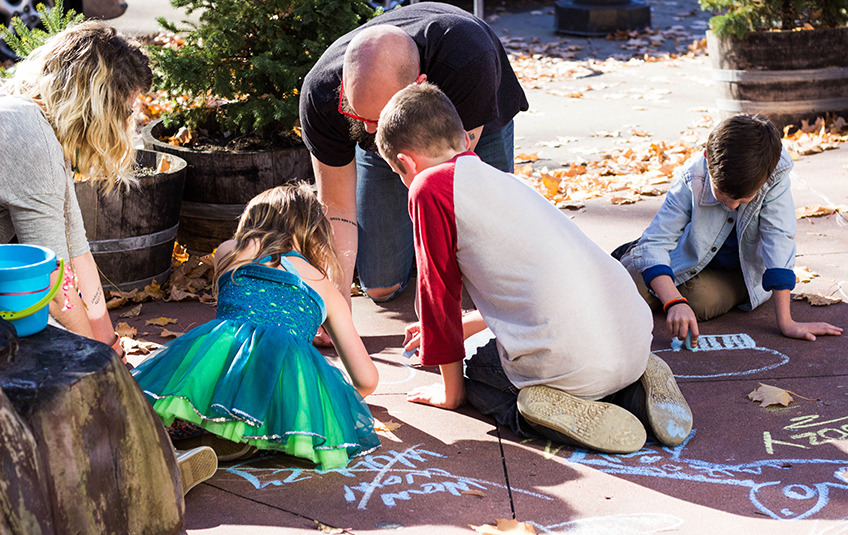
(25, 285)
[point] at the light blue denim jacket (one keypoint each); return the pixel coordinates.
(691, 226)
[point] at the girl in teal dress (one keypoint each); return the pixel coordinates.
(252, 375)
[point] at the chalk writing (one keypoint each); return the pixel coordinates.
(790, 500)
(811, 437)
(625, 524)
(394, 476)
(724, 342)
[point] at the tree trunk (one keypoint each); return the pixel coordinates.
(108, 464)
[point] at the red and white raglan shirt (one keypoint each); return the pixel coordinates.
(565, 313)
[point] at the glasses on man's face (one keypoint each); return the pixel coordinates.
(351, 115)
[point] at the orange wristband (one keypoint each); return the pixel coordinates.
(675, 301)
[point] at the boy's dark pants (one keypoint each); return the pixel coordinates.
(489, 390)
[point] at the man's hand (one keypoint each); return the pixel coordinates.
(434, 395)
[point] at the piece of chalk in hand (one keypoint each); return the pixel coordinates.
(688, 342)
(408, 354)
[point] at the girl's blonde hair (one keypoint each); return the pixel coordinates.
(283, 219)
(83, 78)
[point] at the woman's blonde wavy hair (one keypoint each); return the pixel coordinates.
(83, 79)
(282, 219)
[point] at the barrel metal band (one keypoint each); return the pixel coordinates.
(783, 106)
(202, 210)
(764, 77)
(134, 242)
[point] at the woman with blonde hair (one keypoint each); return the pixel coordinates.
(68, 109)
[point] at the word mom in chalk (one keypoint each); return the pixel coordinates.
(717, 342)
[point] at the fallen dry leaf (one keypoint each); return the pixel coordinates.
(524, 158)
(116, 302)
(770, 395)
(166, 333)
(164, 165)
(123, 329)
(386, 427)
(817, 300)
(138, 347)
(629, 199)
(133, 312)
(323, 528)
(161, 322)
(803, 274)
(513, 527)
(474, 492)
(813, 211)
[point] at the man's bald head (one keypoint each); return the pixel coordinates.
(378, 62)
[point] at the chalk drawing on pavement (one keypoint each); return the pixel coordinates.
(391, 478)
(623, 524)
(731, 342)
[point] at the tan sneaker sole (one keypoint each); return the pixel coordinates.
(196, 466)
(593, 424)
(668, 413)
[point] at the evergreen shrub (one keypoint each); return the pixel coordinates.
(738, 17)
(250, 54)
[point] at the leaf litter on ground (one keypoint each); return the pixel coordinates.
(771, 395)
(504, 526)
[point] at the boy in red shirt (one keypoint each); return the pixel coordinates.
(571, 357)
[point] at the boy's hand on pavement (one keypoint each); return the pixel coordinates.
(681, 320)
(808, 331)
(434, 395)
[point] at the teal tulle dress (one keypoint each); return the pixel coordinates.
(252, 374)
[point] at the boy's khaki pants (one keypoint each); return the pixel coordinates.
(710, 293)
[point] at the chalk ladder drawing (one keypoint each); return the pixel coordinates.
(730, 342)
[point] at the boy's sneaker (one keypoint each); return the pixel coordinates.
(592, 424)
(668, 413)
(226, 450)
(623, 249)
(196, 466)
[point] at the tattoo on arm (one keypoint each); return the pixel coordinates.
(471, 136)
(343, 220)
(97, 295)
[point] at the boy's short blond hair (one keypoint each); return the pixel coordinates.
(422, 119)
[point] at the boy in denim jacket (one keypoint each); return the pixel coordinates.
(725, 235)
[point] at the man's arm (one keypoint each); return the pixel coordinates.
(337, 190)
(474, 136)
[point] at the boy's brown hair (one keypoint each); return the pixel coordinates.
(742, 152)
(422, 119)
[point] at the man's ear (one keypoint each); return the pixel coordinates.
(421, 79)
(467, 141)
(408, 162)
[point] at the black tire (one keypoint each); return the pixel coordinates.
(27, 12)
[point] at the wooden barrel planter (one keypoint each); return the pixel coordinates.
(783, 75)
(220, 183)
(131, 233)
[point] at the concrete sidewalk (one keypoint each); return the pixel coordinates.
(744, 469)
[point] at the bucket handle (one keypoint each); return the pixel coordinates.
(10, 315)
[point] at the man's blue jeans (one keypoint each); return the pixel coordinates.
(385, 254)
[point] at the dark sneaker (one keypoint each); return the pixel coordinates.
(668, 413)
(593, 424)
(622, 249)
(196, 466)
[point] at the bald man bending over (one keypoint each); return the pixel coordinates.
(342, 97)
